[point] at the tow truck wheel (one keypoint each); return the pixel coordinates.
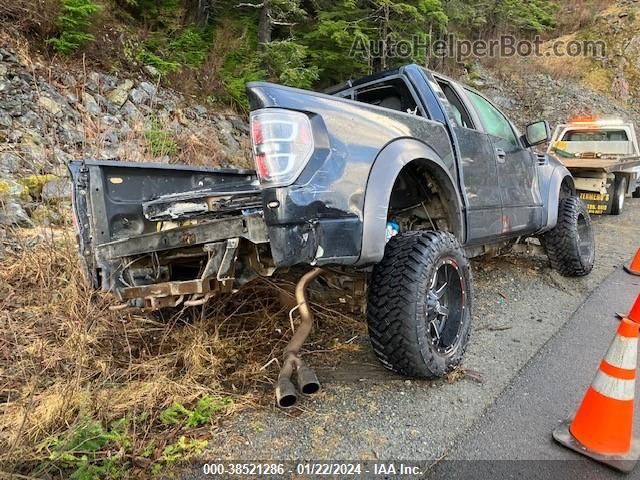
(570, 245)
(419, 304)
(619, 193)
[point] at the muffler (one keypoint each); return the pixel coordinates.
(306, 379)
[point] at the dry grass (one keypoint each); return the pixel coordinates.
(65, 358)
(35, 18)
(577, 14)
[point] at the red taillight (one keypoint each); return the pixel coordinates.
(256, 132)
(261, 165)
(282, 145)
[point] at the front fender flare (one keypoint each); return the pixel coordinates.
(382, 177)
(555, 178)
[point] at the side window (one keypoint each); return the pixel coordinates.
(393, 94)
(456, 107)
(495, 123)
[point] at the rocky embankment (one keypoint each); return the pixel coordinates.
(49, 116)
(528, 97)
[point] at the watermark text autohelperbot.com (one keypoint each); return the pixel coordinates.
(450, 46)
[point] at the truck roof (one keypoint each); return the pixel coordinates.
(598, 124)
(353, 83)
(377, 76)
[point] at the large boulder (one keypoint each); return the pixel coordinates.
(50, 105)
(120, 94)
(5, 120)
(11, 189)
(90, 104)
(9, 163)
(149, 88)
(12, 213)
(138, 96)
(56, 190)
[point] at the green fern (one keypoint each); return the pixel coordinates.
(205, 408)
(74, 24)
(160, 142)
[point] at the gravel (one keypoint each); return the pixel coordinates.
(367, 413)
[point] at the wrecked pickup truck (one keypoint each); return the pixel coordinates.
(398, 178)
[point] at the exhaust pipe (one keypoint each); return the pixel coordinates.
(307, 380)
(286, 395)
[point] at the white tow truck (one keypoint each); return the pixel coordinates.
(604, 158)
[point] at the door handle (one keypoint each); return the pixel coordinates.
(501, 154)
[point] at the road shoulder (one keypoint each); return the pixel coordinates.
(515, 434)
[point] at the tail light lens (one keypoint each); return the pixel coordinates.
(282, 145)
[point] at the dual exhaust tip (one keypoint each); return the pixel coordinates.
(286, 392)
(306, 379)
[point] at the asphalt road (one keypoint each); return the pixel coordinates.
(537, 338)
(515, 434)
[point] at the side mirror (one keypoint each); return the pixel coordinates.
(537, 133)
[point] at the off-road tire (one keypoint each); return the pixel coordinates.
(570, 245)
(619, 193)
(636, 193)
(401, 334)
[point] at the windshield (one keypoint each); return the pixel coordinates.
(588, 141)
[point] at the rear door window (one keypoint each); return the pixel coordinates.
(393, 94)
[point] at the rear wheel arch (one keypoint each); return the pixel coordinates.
(395, 160)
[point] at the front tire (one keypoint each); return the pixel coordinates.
(419, 304)
(570, 245)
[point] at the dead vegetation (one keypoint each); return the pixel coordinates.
(36, 18)
(101, 393)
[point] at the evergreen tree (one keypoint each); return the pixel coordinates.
(302, 43)
(74, 23)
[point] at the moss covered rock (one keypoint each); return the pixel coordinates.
(35, 183)
(13, 189)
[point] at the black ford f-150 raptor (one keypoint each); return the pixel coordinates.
(399, 178)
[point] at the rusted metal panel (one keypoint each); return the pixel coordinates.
(251, 227)
(187, 287)
(200, 203)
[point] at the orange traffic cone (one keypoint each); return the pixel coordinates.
(602, 427)
(634, 314)
(634, 268)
